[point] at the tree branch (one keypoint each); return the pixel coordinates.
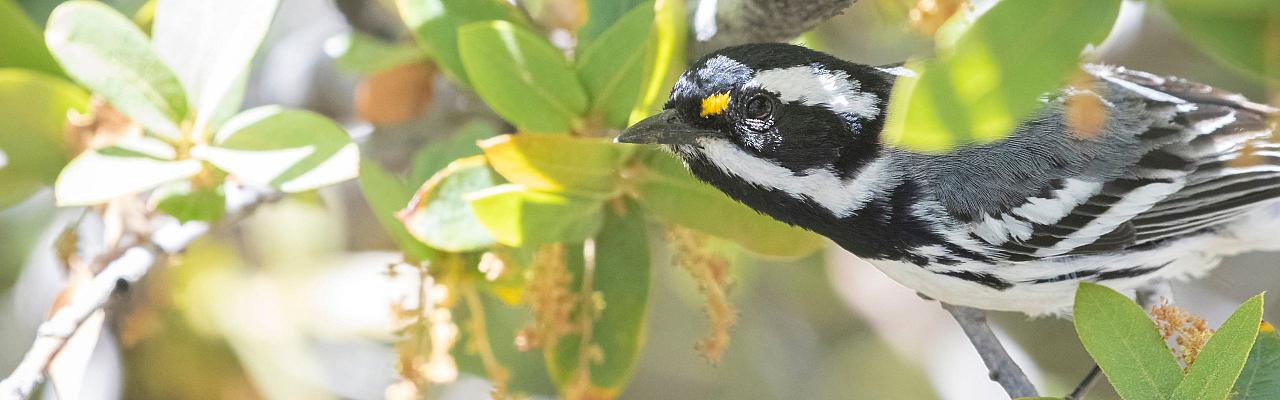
(723, 23)
(1003, 369)
(131, 265)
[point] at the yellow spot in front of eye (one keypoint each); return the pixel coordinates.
(714, 104)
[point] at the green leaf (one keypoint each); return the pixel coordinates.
(185, 203)
(290, 150)
(1241, 33)
(209, 45)
(666, 189)
(603, 15)
(978, 91)
(1223, 357)
(620, 278)
(364, 54)
(557, 163)
(1261, 376)
(22, 43)
(435, 23)
(386, 195)
(518, 217)
(106, 52)
(1125, 344)
(439, 214)
(522, 77)
(665, 60)
(435, 156)
(503, 324)
(612, 68)
(131, 166)
(33, 115)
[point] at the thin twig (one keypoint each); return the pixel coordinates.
(1002, 368)
(1085, 384)
(132, 264)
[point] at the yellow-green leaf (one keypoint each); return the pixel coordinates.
(362, 53)
(1244, 34)
(209, 45)
(387, 195)
(1125, 344)
(671, 193)
(186, 203)
(33, 115)
(291, 150)
(436, 155)
(620, 277)
(23, 46)
(132, 166)
(1219, 364)
(439, 214)
(435, 24)
(522, 77)
(612, 68)
(107, 53)
(978, 90)
(557, 163)
(665, 59)
(603, 15)
(1261, 376)
(517, 216)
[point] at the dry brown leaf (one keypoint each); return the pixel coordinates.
(929, 15)
(101, 127)
(396, 94)
(567, 15)
(1085, 109)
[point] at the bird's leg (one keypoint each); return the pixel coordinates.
(1148, 296)
(1001, 367)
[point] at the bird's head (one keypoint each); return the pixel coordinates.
(784, 105)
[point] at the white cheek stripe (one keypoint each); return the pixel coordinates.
(815, 86)
(839, 196)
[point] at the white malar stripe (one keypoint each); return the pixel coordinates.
(815, 86)
(839, 196)
(1133, 203)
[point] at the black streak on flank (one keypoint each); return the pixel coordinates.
(1129, 272)
(981, 278)
(1099, 275)
(1081, 274)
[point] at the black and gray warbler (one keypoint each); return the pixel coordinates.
(1180, 175)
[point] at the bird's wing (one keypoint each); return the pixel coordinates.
(1175, 157)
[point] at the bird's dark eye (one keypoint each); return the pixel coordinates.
(759, 107)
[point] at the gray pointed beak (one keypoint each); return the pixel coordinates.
(665, 127)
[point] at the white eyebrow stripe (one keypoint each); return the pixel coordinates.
(815, 86)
